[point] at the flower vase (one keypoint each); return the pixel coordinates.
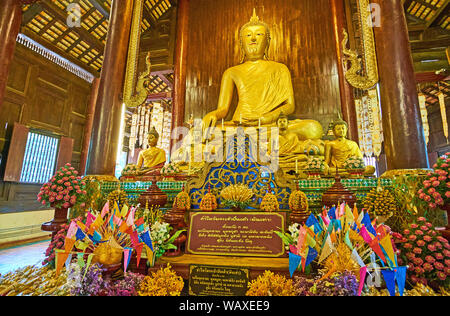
(59, 219)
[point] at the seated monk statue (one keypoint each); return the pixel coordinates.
(339, 150)
(293, 151)
(264, 87)
(153, 158)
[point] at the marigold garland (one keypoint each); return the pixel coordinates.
(270, 284)
(164, 282)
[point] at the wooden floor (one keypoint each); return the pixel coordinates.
(21, 256)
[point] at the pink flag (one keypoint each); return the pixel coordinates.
(341, 210)
(126, 258)
(365, 235)
(89, 219)
(326, 220)
(134, 238)
(362, 277)
(105, 209)
(301, 239)
(130, 219)
(72, 229)
(293, 249)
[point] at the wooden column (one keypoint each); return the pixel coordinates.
(179, 92)
(347, 100)
(403, 132)
(10, 21)
(105, 132)
(88, 127)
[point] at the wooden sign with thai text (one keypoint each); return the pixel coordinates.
(236, 234)
(217, 281)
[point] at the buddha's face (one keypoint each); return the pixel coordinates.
(340, 130)
(283, 123)
(254, 41)
(152, 140)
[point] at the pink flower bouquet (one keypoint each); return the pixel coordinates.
(435, 189)
(425, 253)
(64, 189)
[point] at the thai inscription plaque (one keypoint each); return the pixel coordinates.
(236, 234)
(217, 281)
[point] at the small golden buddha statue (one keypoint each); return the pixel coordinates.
(264, 87)
(340, 149)
(153, 158)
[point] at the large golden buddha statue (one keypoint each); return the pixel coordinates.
(340, 149)
(264, 87)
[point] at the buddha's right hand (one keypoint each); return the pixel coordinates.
(209, 120)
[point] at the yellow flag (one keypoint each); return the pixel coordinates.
(124, 211)
(326, 250)
(310, 241)
(60, 260)
(386, 243)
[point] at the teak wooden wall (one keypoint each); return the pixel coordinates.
(302, 38)
(41, 95)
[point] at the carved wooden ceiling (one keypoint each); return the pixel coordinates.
(46, 23)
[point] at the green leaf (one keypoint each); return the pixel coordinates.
(285, 237)
(175, 236)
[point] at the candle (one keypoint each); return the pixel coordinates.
(259, 122)
(222, 125)
(240, 119)
(296, 166)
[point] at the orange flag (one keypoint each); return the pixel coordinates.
(68, 245)
(138, 249)
(60, 260)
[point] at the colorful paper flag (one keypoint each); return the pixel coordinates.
(377, 249)
(60, 259)
(365, 235)
(386, 243)
(347, 240)
(124, 211)
(400, 277)
(80, 260)
(105, 209)
(80, 235)
(88, 264)
(389, 279)
(312, 254)
(89, 219)
(366, 221)
(362, 277)
(72, 229)
(301, 239)
(68, 244)
(126, 257)
(327, 249)
(332, 213)
(355, 256)
(138, 249)
(294, 262)
(147, 239)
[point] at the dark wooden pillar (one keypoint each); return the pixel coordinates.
(347, 100)
(10, 21)
(88, 126)
(179, 92)
(108, 109)
(404, 142)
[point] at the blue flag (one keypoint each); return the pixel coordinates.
(389, 279)
(366, 221)
(332, 213)
(312, 221)
(294, 262)
(96, 237)
(79, 235)
(400, 277)
(312, 254)
(147, 239)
